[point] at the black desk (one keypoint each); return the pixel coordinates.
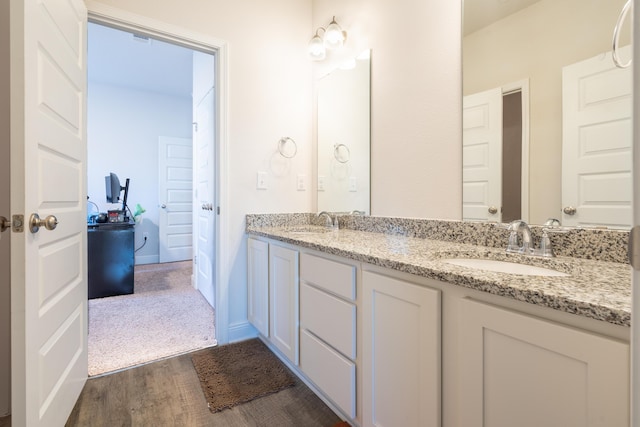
(111, 259)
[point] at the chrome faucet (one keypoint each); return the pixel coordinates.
(519, 226)
(330, 221)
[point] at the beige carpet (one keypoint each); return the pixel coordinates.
(165, 316)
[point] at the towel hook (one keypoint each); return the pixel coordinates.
(341, 153)
(282, 143)
(616, 35)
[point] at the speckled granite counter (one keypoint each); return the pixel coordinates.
(596, 289)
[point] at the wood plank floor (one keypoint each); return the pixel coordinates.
(168, 393)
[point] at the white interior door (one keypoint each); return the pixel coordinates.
(48, 177)
(175, 188)
(596, 142)
(204, 207)
(204, 200)
(482, 156)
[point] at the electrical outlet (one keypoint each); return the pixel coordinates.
(262, 181)
(301, 184)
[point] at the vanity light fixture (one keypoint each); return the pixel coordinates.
(333, 37)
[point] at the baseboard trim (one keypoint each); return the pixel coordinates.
(147, 259)
(241, 331)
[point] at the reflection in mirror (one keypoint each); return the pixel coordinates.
(344, 137)
(571, 155)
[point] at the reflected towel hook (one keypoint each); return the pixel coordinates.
(616, 35)
(341, 153)
(284, 152)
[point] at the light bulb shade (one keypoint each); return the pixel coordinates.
(334, 36)
(316, 48)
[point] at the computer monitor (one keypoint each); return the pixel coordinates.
(113, 189)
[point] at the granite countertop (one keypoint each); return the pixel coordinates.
(595, 289)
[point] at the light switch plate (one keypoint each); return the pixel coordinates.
(320, 182)
(262, 181)
(353, 183)
(301, 184)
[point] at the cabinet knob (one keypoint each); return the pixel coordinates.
(569, 210)
(493, 210)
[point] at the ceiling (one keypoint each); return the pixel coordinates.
(117, 57)
(480, 13)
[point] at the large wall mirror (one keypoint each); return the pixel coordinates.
(344, 137)
(547, 115)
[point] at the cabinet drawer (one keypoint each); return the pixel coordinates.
(330, 318)
(334, 374)
(333, 276)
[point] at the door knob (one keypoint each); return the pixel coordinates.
(493, 210)
(569, 210)
(163, 206)
(50, 222)
(4, 224)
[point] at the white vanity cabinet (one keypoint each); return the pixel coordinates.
(272, 294)
(401, 358)
(283, 300)
(521, 370)
(258, 285)
(328, 328)
(386, 348)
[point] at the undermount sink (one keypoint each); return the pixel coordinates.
(504, 267)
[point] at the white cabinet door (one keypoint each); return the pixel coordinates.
(519, 370)
(283, 296)
(401, 353)
(258, 285)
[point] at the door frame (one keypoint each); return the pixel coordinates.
(120, 19)
(522, 86)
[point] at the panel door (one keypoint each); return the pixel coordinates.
(204, 209)
(258, 285)
(596, 142)
(482, 155)
(175, 177)
(48, 177)
(518, 370)
(283, 299)
(401, 353)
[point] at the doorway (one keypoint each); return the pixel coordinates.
(143, 94)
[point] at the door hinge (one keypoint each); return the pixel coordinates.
(195, 259)
(218, 210)
(634, 247)
(195, 126)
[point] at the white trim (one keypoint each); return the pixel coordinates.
(147, 259)
(241, 331)
(107, 15)
(523, 87)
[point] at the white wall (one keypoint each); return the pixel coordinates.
(123, 126)
(269, 96)
(416, 138)
(5, 238)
